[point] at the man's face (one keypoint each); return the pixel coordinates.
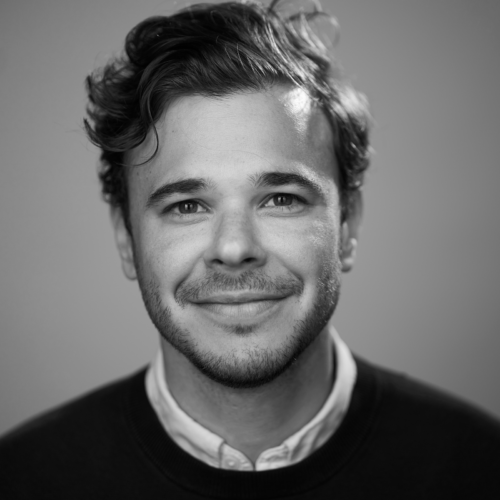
(236, 228)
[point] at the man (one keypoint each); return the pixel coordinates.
(233, 156)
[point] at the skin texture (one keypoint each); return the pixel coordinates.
(240, 278)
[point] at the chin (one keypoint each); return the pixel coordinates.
(249, 358)
(246, 352)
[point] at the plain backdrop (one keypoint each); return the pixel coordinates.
(424, 295)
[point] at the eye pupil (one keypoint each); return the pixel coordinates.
(187, 207)
(283, 199)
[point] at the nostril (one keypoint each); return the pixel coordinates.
(235, 250)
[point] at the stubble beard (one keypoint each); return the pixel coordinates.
(259, 365)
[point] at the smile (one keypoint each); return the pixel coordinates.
(241, 310)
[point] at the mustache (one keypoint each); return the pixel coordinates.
(249, 281)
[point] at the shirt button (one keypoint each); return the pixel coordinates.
(231, 463)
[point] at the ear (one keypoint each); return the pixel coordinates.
(124, 243)
(350, 232)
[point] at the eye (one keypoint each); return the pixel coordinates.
(184, 208)
(188, 207)
(285, 202)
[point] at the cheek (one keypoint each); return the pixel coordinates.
(326, 241)
(324, 244)
(307, 249)
(167, 258)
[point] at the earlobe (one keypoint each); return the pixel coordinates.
(124, 244)
(348, 249)
(349, 232)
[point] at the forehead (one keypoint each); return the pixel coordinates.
(230, 138)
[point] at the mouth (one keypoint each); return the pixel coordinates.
(243, 306)
(240, 310)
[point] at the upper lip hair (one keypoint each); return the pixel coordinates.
(236, 298)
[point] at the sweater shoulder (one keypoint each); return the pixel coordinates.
(430, 422)
(402, 392)
(74, 429)
(432, 438)
(102, 403)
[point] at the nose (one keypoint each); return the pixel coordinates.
(235, 244)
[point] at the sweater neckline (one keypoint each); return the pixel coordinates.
(191, 474)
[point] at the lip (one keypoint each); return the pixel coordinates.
(238, 298)
(241, 310)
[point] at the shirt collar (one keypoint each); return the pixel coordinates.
(206, 446)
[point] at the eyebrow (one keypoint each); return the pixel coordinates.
(185, 186)
(277, 179)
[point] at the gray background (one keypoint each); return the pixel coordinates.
(423, 297)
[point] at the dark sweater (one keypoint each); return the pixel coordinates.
(400, 440)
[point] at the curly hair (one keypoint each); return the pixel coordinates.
(215, 50)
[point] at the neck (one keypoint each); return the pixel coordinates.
(253, 420)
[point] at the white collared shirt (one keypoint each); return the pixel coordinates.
(206, 446)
